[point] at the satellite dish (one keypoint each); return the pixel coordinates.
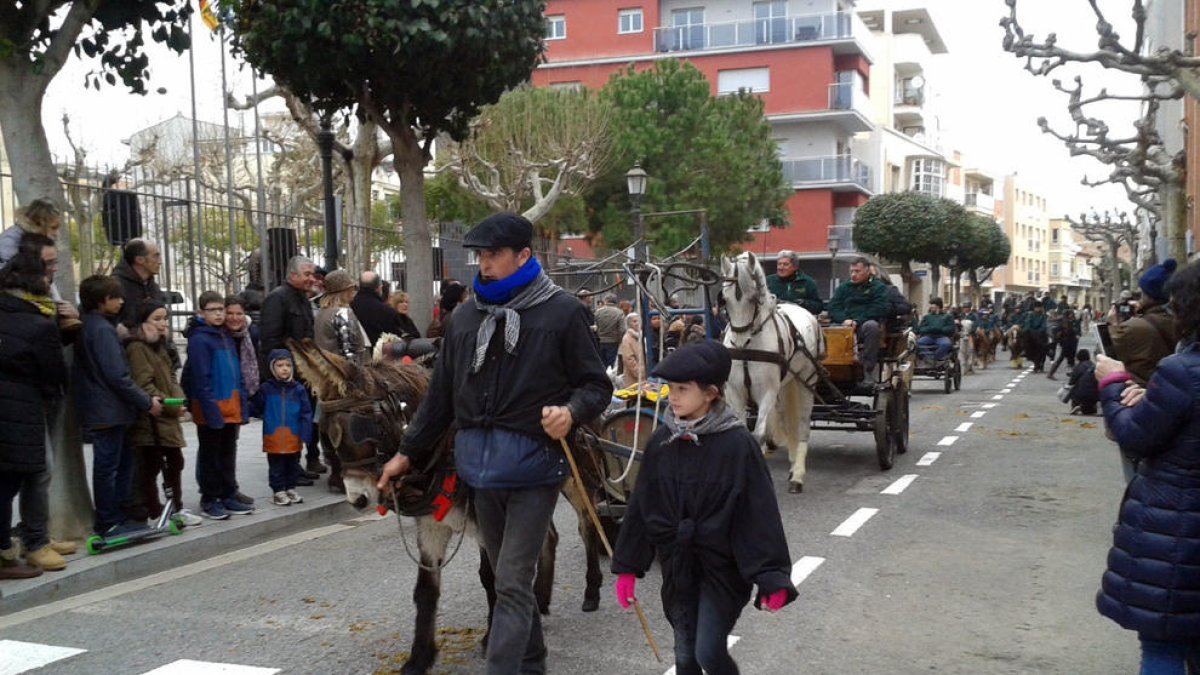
(918, 82)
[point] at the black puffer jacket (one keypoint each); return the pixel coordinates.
(1152, 584)
(137, 293)
(556, 363)
(32, 375)
(286, 313)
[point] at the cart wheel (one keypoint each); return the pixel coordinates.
(900, 398)
(957, 376)
(885, 438)
(620, 428)
(95, 544)
(947, 380)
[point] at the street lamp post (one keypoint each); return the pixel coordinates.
(635, 180)
(834, 244)
(325, 147)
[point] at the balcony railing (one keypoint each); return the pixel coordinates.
(758, 32)
(849, 96)
(914, 96)
(980, 200)
(844, 235)
(827, 170)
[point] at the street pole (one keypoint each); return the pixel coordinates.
(325, 145)
(641, 253)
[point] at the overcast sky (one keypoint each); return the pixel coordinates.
(989, 104)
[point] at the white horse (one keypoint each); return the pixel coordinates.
(966, 346)
(771, 370)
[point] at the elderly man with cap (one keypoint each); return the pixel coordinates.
(789, 284)
(518, 370)
(1149, 336)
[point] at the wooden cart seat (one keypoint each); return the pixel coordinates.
(841, 354)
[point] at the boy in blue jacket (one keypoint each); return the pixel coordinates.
(109, 402)
(282, 403)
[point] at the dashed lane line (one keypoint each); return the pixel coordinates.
(20, 657)
(998, 397)
(900, 485)
(964, 427)
(928, 458)
(851, 524)
(804, 567)
(978, 413)
(1006, 391)
(988, 406)
(189, 667)
(948, 440)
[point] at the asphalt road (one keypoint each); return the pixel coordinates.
(986, 561)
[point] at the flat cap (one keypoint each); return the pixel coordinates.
(705, 362)
(501, 230)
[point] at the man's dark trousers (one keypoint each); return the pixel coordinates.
(513, 525)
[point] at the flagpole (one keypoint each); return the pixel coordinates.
(261, 197)
(233, 239)
(196, 149)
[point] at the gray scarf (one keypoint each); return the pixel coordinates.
(719, 418)
(538, 291)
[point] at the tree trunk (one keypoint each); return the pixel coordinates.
(418, 243)
(935, 278)
(366, 151)
(34, 177)
(910, 279)
(976, 287)
(1174, 219)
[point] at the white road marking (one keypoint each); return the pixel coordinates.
(978, 413)
(964, 427)
(948, 440)
(804, 567)
(1006, 391)
(988, 406)
(900, 485)
(733, 640)
(998, 397)
(928, 458)
(851, 524)
(189, 667)
(19, 657)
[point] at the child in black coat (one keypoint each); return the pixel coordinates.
(705, 505)
(1085, 391)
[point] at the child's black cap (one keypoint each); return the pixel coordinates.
(705, 362)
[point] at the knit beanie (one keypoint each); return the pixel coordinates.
(148, 308)
(1154, 281)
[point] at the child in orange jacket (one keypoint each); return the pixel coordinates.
(283, 404)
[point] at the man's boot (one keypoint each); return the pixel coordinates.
(11, 566)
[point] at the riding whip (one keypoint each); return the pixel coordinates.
(591, 511)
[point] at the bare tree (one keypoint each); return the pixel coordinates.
(1113, 233)
(1152, 174)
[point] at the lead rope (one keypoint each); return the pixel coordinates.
(462, 534)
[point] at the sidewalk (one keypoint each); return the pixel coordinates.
(89, 572)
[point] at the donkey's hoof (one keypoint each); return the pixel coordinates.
(795, 488)
(591, 604)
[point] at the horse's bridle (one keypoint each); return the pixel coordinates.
(390, 409)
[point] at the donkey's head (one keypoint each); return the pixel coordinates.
(364, 411)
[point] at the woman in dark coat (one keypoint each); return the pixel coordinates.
(1152, 584)
(32, 375)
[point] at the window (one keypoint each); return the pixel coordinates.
(1054, 235)
(629, 21)
(1054, 269)
(929, 176)
(568, 86)
(751, 79)
(687, 28)
(770, 22)
(556, 27)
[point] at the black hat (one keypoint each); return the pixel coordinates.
(501, 230)
(705, 362)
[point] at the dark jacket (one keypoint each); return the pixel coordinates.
(937, 325)
(799, 289)
(137, 292)
(556, 363)
(1152, 584)
(106, 393)
(867, 301)
(151, 369)
(1085, 390)
(213, 380)
(1144, 340)
(32, 375)
(377, 317)
(286, 313)
(704, 511)
(285, 410)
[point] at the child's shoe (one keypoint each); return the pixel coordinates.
(11, 566)
(46, 558)
(188, 518)
(295, 497)
(281, 499)
(234, 507)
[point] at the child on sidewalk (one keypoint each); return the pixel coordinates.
(282, 403)
(705, 505)
(157, 441)
(214, 385)
(109, 402)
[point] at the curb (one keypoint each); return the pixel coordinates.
(87, 572)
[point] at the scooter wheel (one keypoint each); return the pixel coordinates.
(95, 544)
(174, 526)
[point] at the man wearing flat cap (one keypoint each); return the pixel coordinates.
(518, 370)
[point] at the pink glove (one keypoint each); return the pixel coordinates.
(625, 586)
(775, 601)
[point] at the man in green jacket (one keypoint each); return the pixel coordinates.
(1036, 337)
(862, 304)
(789, 284)
(936, 330)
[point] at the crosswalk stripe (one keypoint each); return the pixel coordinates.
(189, 667)
(19, 657)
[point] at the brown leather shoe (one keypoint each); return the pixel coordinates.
(12, 568)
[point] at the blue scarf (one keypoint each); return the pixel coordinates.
(499, 292)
